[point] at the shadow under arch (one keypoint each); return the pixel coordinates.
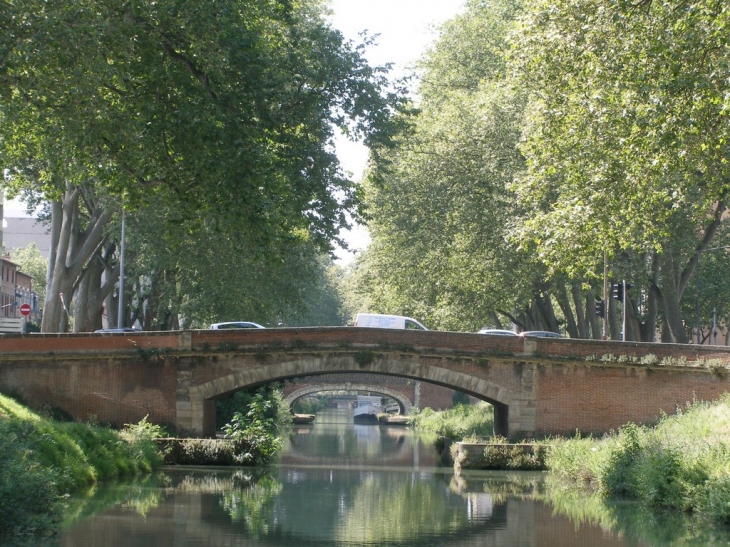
(200, 400)
(403, 401)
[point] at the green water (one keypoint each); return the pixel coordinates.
(342, 484)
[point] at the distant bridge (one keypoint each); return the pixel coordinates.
(403, 402)
(538, 386)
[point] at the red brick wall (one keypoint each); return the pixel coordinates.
(595, 398)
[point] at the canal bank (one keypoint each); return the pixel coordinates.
(340, 484)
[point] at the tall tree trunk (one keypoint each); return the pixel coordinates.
(72, 248)
(593, 320)
(580, 312)
(564, 303)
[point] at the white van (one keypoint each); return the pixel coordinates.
(379, 321)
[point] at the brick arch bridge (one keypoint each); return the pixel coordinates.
(538, 386)
(403, 401)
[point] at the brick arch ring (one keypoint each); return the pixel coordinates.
(196, 403)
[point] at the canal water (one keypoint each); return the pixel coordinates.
(341, 484)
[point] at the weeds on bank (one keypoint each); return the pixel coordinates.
(42, 460)
(683, 462)
(458, 422)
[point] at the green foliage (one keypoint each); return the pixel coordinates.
(144, 430)
(29, 497)
(460, 398)
(681, 463)
(44, 459)
(254, 434)
(504, 456)
(457, 423)
(309, 405)
(199, 452)
(241, 401)
(213, 120)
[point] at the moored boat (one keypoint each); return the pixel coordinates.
(302, 418)
(367, 408)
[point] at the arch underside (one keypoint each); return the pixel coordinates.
(403, 401)
(201, 400)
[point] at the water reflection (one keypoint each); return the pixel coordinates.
(338, 485)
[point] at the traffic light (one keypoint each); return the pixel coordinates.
(600, 308)
(617, 291)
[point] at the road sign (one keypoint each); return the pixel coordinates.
(25, 309)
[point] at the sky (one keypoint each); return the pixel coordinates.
(405, 29)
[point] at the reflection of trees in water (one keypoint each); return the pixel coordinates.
(142, 495)
(632, 519)
(624, 518)
(252, 503)
(397, 508)
(351, 506)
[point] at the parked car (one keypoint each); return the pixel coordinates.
(381, 321)
(236, 325)
(498, 332)
(120, 329)
(541, 334)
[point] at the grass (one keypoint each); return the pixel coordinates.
(458, 423)
(681, 463)
(42, 460)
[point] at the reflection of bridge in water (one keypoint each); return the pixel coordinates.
(362, 445)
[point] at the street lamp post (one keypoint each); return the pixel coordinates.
(697, 267)
(120, 310)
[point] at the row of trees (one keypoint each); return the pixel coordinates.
(556, 138)
(210, 123)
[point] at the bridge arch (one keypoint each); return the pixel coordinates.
(403, 401)
(196, 405)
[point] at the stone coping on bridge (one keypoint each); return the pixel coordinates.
(307, 339)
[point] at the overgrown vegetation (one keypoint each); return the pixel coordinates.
(682, 463)
(240, 401)
(310, 405)
(457, 423)
(42, 460)
(254, 433)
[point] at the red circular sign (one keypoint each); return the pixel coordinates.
(25, 309)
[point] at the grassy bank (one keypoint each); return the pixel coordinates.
(682, 463)
(458, 423)
(42, 460)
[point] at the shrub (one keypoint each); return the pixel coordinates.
(254, 435)
(458, 422)
(28, 494)
(683, 462)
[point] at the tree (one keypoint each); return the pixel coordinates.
(223, 109)
(441, 209)
(627, 138)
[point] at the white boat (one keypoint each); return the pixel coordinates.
(367, 408)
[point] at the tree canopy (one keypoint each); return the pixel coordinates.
(223, 110)
(555, 139)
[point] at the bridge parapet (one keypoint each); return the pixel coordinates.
(343, 338)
